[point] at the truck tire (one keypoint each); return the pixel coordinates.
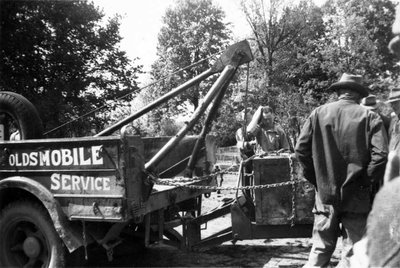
(28, 237)
(22, 113)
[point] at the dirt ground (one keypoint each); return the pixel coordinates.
(247, 253)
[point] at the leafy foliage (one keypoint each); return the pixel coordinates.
(300, 50)
(192, 31)
(62, 57)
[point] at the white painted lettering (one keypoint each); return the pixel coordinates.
(33, 156)
(85, 183)
(17, 161)
(44, 158)
(96, 157)
(56, 158)
(76, 156)
(92, 182)
(55, 181)
(25, 159)
(106, 184)
(11, 160)
(81, 156)
(66, 156)
(98, 183)
(65, 182)
(75, 183)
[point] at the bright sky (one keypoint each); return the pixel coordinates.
(141, 22)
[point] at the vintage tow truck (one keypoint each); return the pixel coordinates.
(60, 195)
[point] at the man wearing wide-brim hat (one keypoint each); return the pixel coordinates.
(394, 128)
(372, 103)
(342, 148)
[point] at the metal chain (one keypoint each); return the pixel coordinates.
(254, 187)
(177, 182)
(292, 178)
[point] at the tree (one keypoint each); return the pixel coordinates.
(192, 31)
(286, 50)
(302, 49)
(59, 55)
(358, 33)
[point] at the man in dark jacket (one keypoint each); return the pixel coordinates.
(394, 127)
(342, 148)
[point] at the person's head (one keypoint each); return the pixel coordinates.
(352, 85)
(245, 115)
(394, 45)
(394, 100)
(370, 102)
(267, 116)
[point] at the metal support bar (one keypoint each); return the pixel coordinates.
(215, 239)
(214, 214)
(215, 89)
(234, 55)
(157, 102)
(206, 128)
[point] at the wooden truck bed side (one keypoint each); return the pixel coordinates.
(95, 179)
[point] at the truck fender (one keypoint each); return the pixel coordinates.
(70, 236)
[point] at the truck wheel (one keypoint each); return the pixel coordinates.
(18, 114)
(28, 238)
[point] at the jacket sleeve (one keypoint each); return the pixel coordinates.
(283, 140)
(303, 151)
(253, 127)
(378, 149)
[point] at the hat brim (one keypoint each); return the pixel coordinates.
(350, 85)
(393, 100)
(394, 45)
(370, 107)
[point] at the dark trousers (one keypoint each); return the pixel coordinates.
(327, 228)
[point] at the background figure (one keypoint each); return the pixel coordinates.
(293, 129)
(372, 103)
(244, 141)
(381, 245)
(341, 160)
(246, 145)
(269, 135)
(221, 177)
(394, 128)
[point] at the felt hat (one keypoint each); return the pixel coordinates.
(369, 102)
(352, 82)
(394, 95)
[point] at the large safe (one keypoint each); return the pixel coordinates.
(282, 205)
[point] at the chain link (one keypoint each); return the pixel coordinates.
(178, 182)
(253, 187)
(292, 178)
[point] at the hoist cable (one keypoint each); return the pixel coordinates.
(245, 101)
(130, 93)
